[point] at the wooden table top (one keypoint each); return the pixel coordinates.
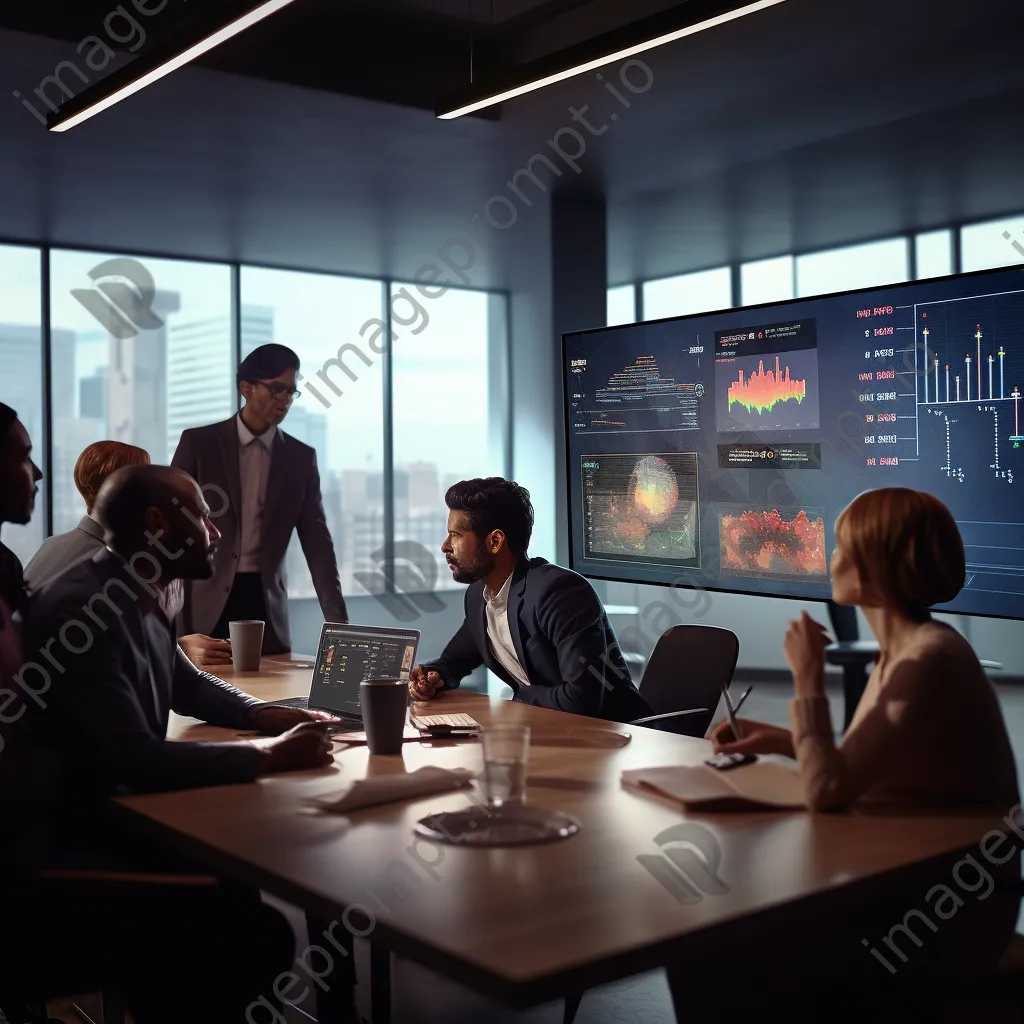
(526, 924)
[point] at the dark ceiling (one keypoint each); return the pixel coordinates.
(398, 51)
(783, 61)
(814, 123)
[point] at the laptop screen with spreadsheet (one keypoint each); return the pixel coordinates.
(349, 654)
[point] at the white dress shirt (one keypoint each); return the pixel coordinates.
(253, 470)
(499, 634)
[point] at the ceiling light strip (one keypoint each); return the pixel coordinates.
(622, 54)
(166, 67)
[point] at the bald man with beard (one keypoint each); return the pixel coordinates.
(179, 944)
(117, 676)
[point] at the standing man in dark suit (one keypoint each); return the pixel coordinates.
(540, 628)
(270, 485)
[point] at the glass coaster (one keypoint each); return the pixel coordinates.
(511, 825)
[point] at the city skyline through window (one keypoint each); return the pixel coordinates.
(315, 315)
(141, 349)
(449, 410)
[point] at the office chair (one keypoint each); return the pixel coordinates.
(688, 671)
(691, 666)
(851, 655)
(25, 990)
(26, 1008)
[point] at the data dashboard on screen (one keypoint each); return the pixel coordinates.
(717, 450)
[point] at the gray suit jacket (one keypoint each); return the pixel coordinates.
(210, 455)
(60, 552)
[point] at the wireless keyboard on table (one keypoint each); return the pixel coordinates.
(455, 721)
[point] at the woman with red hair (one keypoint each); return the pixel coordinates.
(928, 735)
(928, 729)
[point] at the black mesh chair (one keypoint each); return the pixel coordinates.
(689, 670)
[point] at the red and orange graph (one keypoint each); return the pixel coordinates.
(765, 542)
(764, 390)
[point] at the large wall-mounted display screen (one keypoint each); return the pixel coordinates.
(717, 450)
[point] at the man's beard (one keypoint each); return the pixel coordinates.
(474, 572)
(193, 563)
(199, 566)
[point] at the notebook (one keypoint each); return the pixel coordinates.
(763, 784)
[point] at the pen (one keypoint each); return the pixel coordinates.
(739, 703)
(736, 731)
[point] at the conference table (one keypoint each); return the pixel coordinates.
(528, 924)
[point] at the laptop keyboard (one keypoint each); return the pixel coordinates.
(347, 723)
(289, 702)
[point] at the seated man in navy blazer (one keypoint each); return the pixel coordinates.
(540, 628)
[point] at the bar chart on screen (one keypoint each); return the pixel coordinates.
(970, 362)
(766, 378)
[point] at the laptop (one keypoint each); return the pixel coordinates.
(346, 656)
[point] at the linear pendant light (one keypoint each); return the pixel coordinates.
(146, 70)
(665, 27)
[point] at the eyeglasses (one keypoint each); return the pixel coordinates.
(276, 389)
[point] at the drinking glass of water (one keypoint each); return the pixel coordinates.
(506, 753)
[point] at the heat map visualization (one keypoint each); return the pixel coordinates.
(642, 507)
(768, 543)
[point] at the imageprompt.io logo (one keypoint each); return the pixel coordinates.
(404, 585)
(122, 299)
(687, 867)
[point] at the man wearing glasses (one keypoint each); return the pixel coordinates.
(261, 484)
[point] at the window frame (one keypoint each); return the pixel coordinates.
(954, 227)
(501, 337)
(643, 299)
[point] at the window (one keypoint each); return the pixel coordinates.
(996, 243)
(140, 349)
(340, 411)
(450, 405)
(21, 383)
(702, 292)
(855, 266)
(934, 254)
(621, 305)
(767, 281)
